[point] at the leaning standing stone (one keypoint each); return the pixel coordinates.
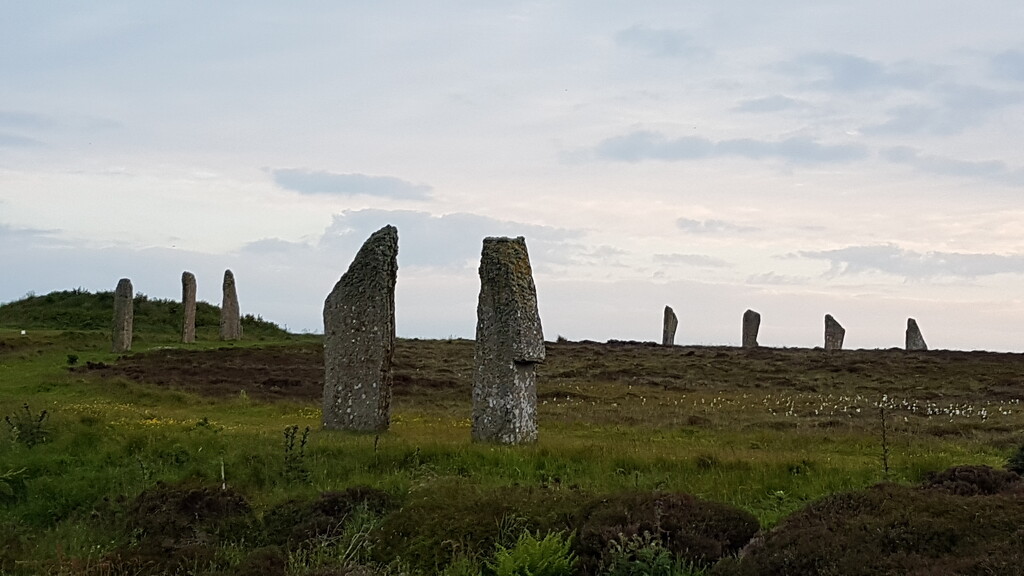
(509, 342)
(751, 324)
(668, 332)
(230, 317)
(834, 334)
(915, 341)
(188, 307)
(124, 315)
(359, 338)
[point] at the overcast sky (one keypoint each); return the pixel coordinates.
(860, 159)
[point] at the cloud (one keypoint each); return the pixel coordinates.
(776, 103)
(320, 182)
(271, 246)
(603, 255)
(696, 260)
(22, 120)
(647, 145)
(994, 170)
(1009, 64)
(17, 238)
(644, 145)
(773, 279)
(836, 71)
(957, 108)
(8, 140)
(450, 241)
(660, 42)
(711, 227)
(891, 259)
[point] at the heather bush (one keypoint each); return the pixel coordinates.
(691, 530)
(963, 521)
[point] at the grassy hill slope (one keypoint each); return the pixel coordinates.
(83, 310)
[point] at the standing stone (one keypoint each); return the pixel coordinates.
(915, 341)
(751, 324)
(188, 305)
(230, 317)
(834, 334)
(668, 332)
(124, 315)
(509, 342)
(359, 338)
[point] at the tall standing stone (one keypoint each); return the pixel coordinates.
(668, 331)
(230, 316)
(359, 338)
(915, 341)
(188, 307)
(751, 324)
(834, 334)
(509, 343)
(124, 315)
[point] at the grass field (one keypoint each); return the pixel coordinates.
(766, 431)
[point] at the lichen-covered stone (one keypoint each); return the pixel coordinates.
(509, 342)
(188, 307)
(668, 331)
(915, 341)
(359, 338)
(834, 334)
(751, 324)
(124, 315)
(230, 316)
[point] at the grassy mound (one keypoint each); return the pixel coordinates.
(83, 310)
(965, 520)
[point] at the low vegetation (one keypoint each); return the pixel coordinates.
(83, 310)
(208, 458)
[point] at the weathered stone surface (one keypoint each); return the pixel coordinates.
(188, 307)
(509, 342)
(230, 316)
(359, 338)
(124, 315)
(751, 324)
(915, 341)
(834, 334)
(668, 331)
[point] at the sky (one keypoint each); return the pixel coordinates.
(859, 159)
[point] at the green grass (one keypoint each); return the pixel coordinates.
(83, 310)
(766, 448)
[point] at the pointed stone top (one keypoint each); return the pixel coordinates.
(379, 253)
(915, 341)
(834, 333)
(385, 239)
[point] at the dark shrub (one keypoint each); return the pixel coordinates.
(892, 529)
(450, 519)
(178, 515)
(1016, 461)
(972, 481)
(297, 521)
(693, 530)
(179, 526)
(268, 561)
